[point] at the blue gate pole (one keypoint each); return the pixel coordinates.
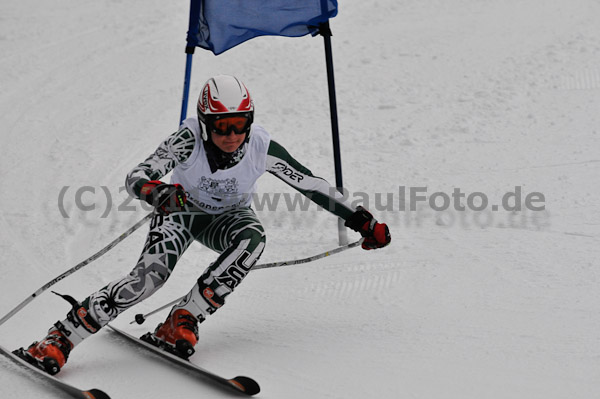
(186, 82)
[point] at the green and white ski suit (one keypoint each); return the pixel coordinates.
(218, 214)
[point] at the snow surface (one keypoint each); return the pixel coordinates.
(472, 94)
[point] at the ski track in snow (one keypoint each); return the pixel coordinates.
(474, 94)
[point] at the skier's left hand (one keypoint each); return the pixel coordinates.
(377, 235)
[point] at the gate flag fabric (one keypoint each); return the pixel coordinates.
(218, 25)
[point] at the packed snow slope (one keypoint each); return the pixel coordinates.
(476, 95)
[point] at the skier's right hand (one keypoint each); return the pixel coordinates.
(166, 198)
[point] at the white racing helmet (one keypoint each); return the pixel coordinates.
(221, 97)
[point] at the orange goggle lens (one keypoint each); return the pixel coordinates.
(237, 124)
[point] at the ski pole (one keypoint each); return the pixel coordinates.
(140, 318)
(310, 258)
(75, 268)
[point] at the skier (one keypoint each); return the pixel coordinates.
(216, 159)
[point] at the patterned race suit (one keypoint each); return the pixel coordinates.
(217, 214)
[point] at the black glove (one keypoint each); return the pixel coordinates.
(166, 198)
(377, 235)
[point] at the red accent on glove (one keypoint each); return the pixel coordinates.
(148, 188)
(379, 238)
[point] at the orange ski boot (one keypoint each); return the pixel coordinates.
(178, 334)
(50, 354)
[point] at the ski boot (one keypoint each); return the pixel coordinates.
(50, 354)
(177, 335)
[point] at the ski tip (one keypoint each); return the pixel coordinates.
(95, 394)
(245, 385)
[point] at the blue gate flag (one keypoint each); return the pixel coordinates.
(218, 25)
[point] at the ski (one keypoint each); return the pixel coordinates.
(67, 388)
(240, 384)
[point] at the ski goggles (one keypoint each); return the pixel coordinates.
(224, 125)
